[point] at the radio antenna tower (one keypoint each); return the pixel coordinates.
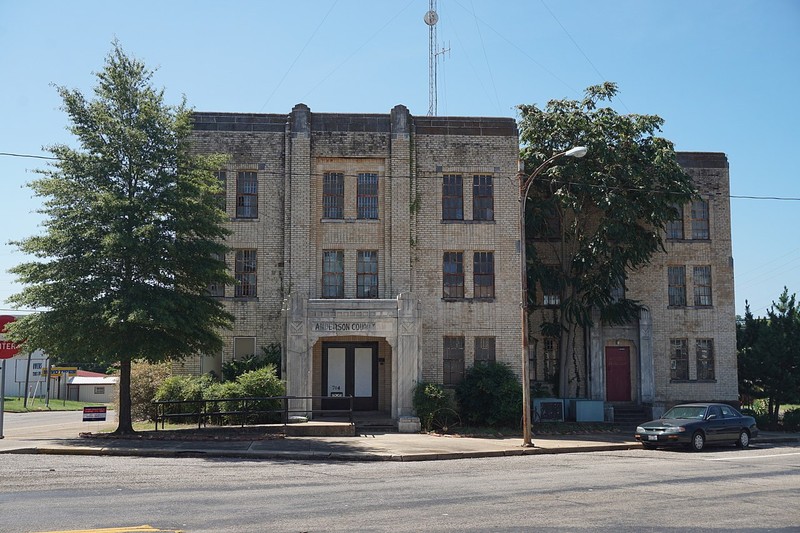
(431, 18)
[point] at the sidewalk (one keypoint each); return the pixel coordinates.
(365, 447)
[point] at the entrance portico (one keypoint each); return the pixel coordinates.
(334, 343)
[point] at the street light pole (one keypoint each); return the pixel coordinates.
(524, 188)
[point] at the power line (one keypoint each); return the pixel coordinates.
(9, 154)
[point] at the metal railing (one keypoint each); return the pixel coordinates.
(244, 411)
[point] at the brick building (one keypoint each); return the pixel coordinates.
(383, 249)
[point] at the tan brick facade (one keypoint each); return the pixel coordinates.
(294, 156)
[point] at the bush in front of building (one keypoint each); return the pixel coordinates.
(270, 355)
(146, 378)
(791, 420)
(435, 406)
(490, 395)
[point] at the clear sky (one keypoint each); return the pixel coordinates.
(724, 74)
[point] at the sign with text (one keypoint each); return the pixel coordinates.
(94, 413)
(66, 370)
(7, 348)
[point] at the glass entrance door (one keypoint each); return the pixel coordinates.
(350, 369)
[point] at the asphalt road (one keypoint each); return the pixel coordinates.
(51, 424)
(722, 489)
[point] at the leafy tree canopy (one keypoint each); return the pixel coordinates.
(590, 221)
(132, 233)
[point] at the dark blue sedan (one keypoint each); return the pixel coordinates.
(697, 425)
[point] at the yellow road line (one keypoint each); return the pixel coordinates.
(132, 529)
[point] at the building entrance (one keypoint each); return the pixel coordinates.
(350, 369)
(618, 374)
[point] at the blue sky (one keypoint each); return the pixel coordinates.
(722, 73)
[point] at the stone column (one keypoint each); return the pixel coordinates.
(297, 353)
(597, 388)
(647, 380)
(399, 199)
(407, 362)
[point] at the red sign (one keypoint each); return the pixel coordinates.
(7, 348)
(94, 413)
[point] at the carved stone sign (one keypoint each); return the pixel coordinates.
(344, 326)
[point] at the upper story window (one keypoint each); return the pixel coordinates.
(702, 286)
(453, 275)
(452, 197)
(222, 177)
(484, 350)
(700, 221)
(679, 359)
(483, 274)
(217, 289)
(367, 274)
(247, 194)
(452, 361)
(333, 274)
(618, 291)
(705, 359)
(482, 198)
(676, 286)
(674, 227)
(245, 271)
(367, 195)
(548, 223)
(550, 357)
(333, 195)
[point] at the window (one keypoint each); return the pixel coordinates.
(367, 196)
(453, 275)
(702, 286)
(243, 347)
(700, 220)
(247, 194)
(482, 198)
(333, 195)
(618, 291)
(547, 223)
(679, 359)
(453, 361)
(677, 286)
(551, 295)
(222, 177)
(550, 356)
(483, 274)
(367, 274)
(99, 390)
(333, 274)
(675, 226)
(217, 289)
(705, 359)
(245, 274)
(452, 197)
(484, 350)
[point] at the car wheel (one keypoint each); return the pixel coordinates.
(698, 441)
(744, 439)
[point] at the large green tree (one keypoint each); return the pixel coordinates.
(769, 354)
(591, 221)
(132, 233)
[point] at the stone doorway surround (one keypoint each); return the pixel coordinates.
(307, 320)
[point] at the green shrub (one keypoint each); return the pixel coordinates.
(270, 355)
(791, 420)
(146, 378)
(435, 406)
(490, 395)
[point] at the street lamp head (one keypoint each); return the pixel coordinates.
(578, 151)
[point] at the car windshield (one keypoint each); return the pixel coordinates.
(686, 411)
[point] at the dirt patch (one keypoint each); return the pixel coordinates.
(197, 434)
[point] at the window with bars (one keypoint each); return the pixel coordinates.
(482, 198)
(484, 350)
(453, 275)
(676, 280)
(367, 274)
(452, 361)
(333, 274)
(452, 197)
(674, 227)
(367, 196)
(679, 359)
(550, 357)
(705, 359)
(217, 289)
(702, 286)
(333, 195)
(547, 222)
(700, 223)
(483, 274)
(222, 177)
(245, 273)
(247, 194)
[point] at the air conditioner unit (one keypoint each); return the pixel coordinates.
(548, 410)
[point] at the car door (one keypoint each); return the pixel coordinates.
(732, 423)
(715, 424)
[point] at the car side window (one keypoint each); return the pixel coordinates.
(714, 410)
(727, 412)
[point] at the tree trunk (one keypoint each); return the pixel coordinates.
(125, 423)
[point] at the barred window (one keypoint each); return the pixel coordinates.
(217, 289)
(453, 275)
(550, 357)
(452, 197)
(367, 196)
(547, 223)
(247, 194)
(675, 226)
(679, 358)
(452, 361)
(333, 274)
(484, 350)
(482, 198)
(677, 286)
(702, 286)
(222, 177)
(483, 274)
(367, 274)
(245, 274)
(700, 224)
(705, 359)
(333, 195)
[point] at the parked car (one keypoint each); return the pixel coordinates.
(698, 424)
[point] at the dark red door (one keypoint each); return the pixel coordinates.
(618, 374)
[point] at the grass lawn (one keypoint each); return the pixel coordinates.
(17, 405)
